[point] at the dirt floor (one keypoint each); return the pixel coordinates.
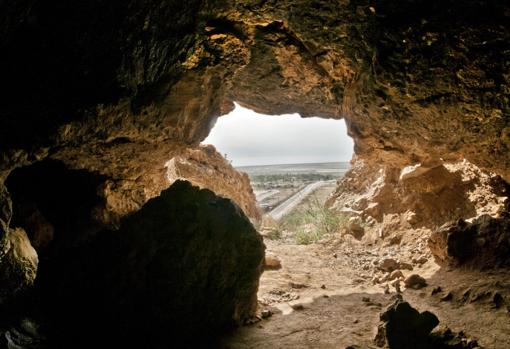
(329, 294)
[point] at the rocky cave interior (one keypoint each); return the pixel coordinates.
(102, 244)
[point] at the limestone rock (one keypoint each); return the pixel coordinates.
(186, 267)
(204, 167)
(354, 226)
(388, 265)
(420, 196)
(415, 281)
(483, 243)
(18, 263)
(272, 263)
(396, 274)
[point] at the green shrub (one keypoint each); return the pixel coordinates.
(274, 234)
(311, 223)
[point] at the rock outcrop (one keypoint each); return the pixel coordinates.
(206, 168)
(482, 243)
(181, 270)
(18, 264)
(419, 196)
(18, 259)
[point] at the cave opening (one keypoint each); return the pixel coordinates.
(103, 245)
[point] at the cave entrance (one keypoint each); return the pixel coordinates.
(293, 164)
(287, 158)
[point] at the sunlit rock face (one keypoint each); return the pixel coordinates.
(203, 166)
(420, 196)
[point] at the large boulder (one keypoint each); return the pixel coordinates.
(182, 269)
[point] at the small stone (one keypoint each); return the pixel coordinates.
(436, 290)
(497, 300)
(396, 284)
(297, 285)
(422, 260)
(272, 263)
(447, 297)
(335, 255)
(406, 266)
(396, 274)
(415, 281)
(386, 289)
(388, 265)
(472, 343)
(266, 313)
(323, 287)
(297, 306)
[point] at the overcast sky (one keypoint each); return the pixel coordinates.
(249, 138)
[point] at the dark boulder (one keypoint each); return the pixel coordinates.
(182, 269)
(484, 243)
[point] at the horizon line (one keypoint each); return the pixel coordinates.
(296, 163)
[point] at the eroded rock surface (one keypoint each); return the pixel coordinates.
(416, 82)
(388, 200)
(18, 259)
(482, 243)
(205, 167)
(18, 264)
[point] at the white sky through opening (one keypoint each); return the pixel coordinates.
(249, 138)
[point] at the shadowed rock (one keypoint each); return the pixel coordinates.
(404, 327)
(183, 268)
(484, 243)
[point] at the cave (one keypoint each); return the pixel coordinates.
(103, 243)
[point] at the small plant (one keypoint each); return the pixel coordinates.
(274, 233)
(305, 236)
(311, 223)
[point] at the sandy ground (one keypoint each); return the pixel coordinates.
(324, 295)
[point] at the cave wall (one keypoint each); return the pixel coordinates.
(112, 86)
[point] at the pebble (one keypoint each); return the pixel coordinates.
(436, 290)
(272, 263)
(266, 313)
(415, 281)
(388, 264)
(396, 274)
(297, 306)
(447, 297)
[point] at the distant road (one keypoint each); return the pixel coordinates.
(266, 194)
(288, 205)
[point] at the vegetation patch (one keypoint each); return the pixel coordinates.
(310, 223)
